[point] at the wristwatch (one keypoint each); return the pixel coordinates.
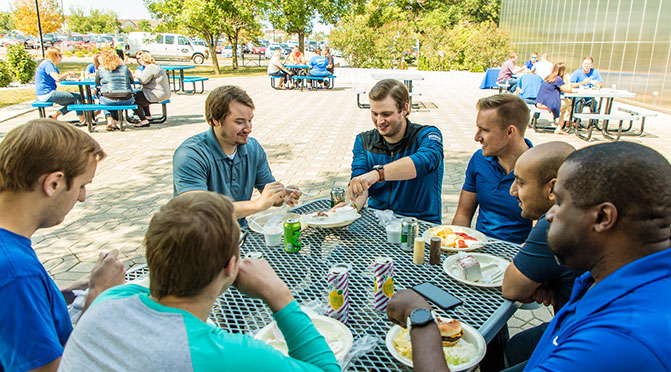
(380, 172)
(420, 317)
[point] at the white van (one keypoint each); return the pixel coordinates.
(167, 46)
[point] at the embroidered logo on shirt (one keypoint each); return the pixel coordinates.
(434, 137)
(554, 342)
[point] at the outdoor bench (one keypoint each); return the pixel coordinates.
(535, 115)
(593, 122)
(330, 78)
(40, 107)
(155, 119)
(89, 118)
(639, 113)
(194, 80)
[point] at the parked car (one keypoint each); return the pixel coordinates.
(73, 41)
(49, 40)
(14, 39)
(286, 48)
(167, 47)
(274, 46)
(259, 49)
(336, 53)
(312, 45)
(227, 51)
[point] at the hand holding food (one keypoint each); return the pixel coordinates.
(271, 195)
(360, 184)
(257, 279)
(291, 194)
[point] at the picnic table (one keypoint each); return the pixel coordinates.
(606, 97)
(86, 95)
(358, 244)
(177, 85)
(407, 78)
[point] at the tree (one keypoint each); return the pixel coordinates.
(25, 16)
(144, 25)
(96, 21)
(295, 16)
(209, 19)
(6, 21)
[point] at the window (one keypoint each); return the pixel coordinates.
(181, 40)
(169, 39)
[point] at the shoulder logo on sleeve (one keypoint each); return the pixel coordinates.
(434, 137)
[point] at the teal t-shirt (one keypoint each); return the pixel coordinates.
(125, 329)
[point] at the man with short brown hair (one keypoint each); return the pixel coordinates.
(226, 160)
(501, 122)
(45, 166)
(399, 164)
(193, 257)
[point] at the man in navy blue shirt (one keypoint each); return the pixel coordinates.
(45, 166)
(399, 164)
(534, 274)
(225, 159)
(501, 122)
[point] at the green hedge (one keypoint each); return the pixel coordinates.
(22, 63)
(6, 75)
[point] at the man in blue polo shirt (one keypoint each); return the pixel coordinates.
(589, 77)
(226, 160)
(399, 164)
(611, 218)
(501, 122)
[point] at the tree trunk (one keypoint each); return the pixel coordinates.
(234, 45)
(301, 41)
(213, 55)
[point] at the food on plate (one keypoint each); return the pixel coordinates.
(469, 267)
(334, 335)
(450, 238)
(321, 214)
(457, 351)
(450, 331)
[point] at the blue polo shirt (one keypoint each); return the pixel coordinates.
(500, 215)
(44, 83)
(579, 75)
(34, 319)
(622, 324)
(199, 163)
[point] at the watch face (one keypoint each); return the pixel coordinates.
(420, 317)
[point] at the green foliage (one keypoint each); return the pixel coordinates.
(144, 25)
(464, 47)
(6, 75)
(21, 62)
(80, 53)
(6, 21)
(97, 21)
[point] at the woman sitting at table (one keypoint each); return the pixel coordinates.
(295, 57)
(155, 88)
(275, 68)
(549, 95)
(90, 71)
(46, 76)
(318, 65)
(115, 82)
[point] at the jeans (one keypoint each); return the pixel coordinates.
(587, 101)
(64, 99)
(522, 345)
(512, 82)
(114, 102)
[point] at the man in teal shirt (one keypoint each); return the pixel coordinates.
(193, 257)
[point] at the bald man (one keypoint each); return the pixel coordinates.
(534, 274)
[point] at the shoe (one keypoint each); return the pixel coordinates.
(53, 117)
(111, 128)
(141, 125)
(81, 124)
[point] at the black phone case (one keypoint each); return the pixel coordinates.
(438, 296)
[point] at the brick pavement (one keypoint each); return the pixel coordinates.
(308, 137)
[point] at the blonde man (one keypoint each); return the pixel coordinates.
(46, 77)
(45, 166)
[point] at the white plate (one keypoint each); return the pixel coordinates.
(263, 218)
(472, 244)
(490, 263)
(337, 335)
(341, 217)
(471, 336)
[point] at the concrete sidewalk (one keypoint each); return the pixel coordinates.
(308, 137)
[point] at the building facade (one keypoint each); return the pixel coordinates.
(629, 40)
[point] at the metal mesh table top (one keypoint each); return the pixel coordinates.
(358, 244)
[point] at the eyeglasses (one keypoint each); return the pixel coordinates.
(532, 57)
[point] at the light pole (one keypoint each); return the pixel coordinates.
(39, 26)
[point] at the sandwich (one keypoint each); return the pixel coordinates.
(450, 331)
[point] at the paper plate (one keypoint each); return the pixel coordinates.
(471, 336)
(337, 335)
(490, 264)
(341, 217)
(472, 244)
(263, 218)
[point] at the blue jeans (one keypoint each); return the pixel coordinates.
(115, 102)
(513, 84)
(521, 346)
(64, 99)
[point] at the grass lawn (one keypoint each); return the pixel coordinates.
(13, 96)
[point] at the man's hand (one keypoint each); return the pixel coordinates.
(258, 280)
(403, 303)
(360, 184)
(291, 197)
(108, 272)
(270, 196)
(545, 295)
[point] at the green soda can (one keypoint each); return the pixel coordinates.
(292, 235)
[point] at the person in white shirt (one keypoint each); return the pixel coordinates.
(543, 68)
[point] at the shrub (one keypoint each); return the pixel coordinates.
(80, 53)
(21, 62)
(67, 53)
(6, 75)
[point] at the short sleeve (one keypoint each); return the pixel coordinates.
(91, 68)
(32, 339)
(49, 68)
(558, 83)
(575, 76)
(263, 174)
(189, 170)
(469, 182)
(535, 260)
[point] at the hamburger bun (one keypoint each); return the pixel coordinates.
(450, 331)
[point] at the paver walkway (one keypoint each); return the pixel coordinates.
(308, 137)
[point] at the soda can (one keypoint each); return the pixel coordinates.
(384, 282)
(292, 235)
(254, 255)
(338, 288)
(409, 228)
(337, 196)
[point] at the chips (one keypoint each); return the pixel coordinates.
(449, 238)
(460, 353)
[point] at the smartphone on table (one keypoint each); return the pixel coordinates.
(438, 296)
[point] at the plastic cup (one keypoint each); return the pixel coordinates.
(394, 233)
(273, 235)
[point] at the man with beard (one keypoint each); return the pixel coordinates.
(501, 122)
(226, 160)
(399, 164)
(612, 219)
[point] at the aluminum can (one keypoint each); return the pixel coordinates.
(254, 255)
(337, 196)
(292, 235)
(338, 292)
(409, 228)
(384, 282)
